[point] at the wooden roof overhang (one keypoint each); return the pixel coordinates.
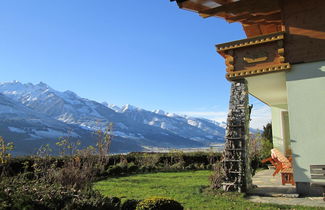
(258, 17)
(279, 33)
(263, 51)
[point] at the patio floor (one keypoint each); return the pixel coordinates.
(270, 190)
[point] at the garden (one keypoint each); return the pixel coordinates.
(90, 178)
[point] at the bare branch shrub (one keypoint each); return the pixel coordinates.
(5, 149)
(259, 149)
(218, 176)
(75, 173)
(148, 160)
(104, 139)
(67, 147)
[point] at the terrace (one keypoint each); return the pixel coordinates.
(269, 189)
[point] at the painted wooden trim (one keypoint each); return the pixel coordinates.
(251, 41)
(251, 72)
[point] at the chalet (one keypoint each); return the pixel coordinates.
(282, 63)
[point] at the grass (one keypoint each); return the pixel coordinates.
(185, 187)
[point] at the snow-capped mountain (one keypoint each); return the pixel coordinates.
(132, 125)
(29, 129)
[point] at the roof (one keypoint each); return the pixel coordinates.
(257, 16)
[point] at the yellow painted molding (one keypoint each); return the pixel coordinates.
(256, 71)
(250, 41)
(255, 60)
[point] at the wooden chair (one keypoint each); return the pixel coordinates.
(281, 164)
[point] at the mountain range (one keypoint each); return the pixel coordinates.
(32, 115)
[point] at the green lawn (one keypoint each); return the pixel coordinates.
(185, 187)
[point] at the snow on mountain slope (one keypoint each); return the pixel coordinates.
(139, 126)
(64, 106)
(193, 128)
(29, 130)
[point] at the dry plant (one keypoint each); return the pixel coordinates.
(104, 139)
(148, 160)
(212, 156)
(5, 149)
(218, 176)
(44, 151)
(41, 163)
(259, 148)
(75, 173)
(88, 152)
(177, 158)
(67, 147)
(79, 171)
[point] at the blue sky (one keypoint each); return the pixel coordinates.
(145, 53)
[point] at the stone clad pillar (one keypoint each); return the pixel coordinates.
(236, 163)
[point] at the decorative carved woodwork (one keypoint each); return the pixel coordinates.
(302, 21)
(258, 55)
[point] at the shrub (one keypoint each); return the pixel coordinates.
(151, 168)
(148, 159)
(18, 193)
(259, 149)
(146, 162)
(143, 169)
(196, 165)
(132, 168)
(217, 178)
(209, 167)
(177, 157)
(93, 200)
(130, 204)
(28, 175)
(115, 170)
(74, 173)
(104, 140)
(190, 167)
(177, 166)
(5, 149)
(159, 203)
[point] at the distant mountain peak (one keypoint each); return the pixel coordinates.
(15, 82)
(159, 111)
(42, 84)
(10, 83)
(129, 107)
(114, 107)
(70, 93)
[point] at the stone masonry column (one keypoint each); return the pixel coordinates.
(236, 163)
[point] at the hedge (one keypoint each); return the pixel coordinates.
(119, 164)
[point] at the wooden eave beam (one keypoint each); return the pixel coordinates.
(257, 7)
(199, 4)
(222, 9)
(277, 22)
(216, 1)
(257, 16)
(273, 15)
(252, 30)
(188, 5)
